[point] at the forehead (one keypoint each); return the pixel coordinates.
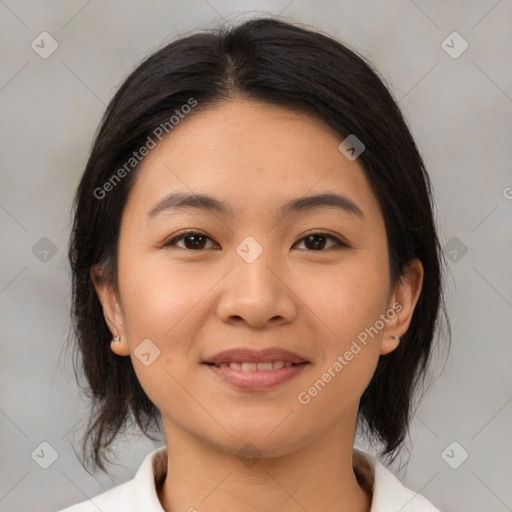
(251, 155)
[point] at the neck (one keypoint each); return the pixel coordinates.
(319, 476)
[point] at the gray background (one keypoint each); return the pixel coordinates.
(460, 112)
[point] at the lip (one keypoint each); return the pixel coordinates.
(257, 380)
(254, 379)
(246, 355)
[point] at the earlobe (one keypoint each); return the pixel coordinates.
(119, 347)
(388, 344)
(403, 303)
(111, 312)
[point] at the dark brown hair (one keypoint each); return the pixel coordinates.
(282, 63)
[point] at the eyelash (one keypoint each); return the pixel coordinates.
(172, 241)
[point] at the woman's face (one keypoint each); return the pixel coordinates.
(254, 280)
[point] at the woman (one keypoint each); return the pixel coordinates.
(256, 272)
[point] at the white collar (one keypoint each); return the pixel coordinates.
(140, 494)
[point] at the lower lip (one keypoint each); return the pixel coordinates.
(257, 379)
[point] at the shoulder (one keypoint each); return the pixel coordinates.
(389, 494)
(138, 494)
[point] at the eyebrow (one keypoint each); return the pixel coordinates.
(182, 201)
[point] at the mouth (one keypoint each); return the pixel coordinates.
(250, 369)
(247, 359)
(253, 366)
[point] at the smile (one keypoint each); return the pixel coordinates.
(251, 376)
(253, 366)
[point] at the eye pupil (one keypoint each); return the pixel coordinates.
(195, 244)
(317, 245)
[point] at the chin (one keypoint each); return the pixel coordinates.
(258, 441)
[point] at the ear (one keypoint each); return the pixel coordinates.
(403, 302)
(112, 311)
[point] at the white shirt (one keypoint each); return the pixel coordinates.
(139, 494)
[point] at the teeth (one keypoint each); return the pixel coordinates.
(261, 367)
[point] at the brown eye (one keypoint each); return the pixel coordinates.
(317, 241)
(192, 240)
(196, 241)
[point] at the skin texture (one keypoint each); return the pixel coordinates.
(193, 303)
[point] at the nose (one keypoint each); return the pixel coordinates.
(258, 294)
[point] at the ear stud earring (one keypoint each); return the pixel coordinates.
(116, 339)
(395, 337)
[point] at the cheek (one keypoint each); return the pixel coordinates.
(160, 304)
(159, 297)
(334, 391)
(346, 298)
(166, 304)
(348, 303)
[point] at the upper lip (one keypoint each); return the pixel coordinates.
(245, 355)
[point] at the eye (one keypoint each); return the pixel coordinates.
(193, 240)
(317, 241)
